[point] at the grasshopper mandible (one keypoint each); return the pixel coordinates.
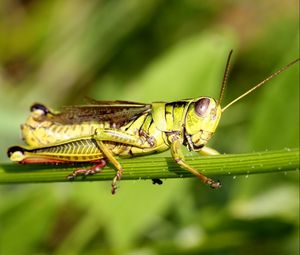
(102, 130)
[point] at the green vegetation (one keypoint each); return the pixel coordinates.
(57, 52)
(159, 167)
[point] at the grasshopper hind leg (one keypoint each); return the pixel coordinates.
(110, 157)
(87, 171)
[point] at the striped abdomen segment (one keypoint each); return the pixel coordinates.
(81, 150)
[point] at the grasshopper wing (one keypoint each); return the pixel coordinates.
(114, 112)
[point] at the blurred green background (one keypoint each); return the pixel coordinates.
(57, 52)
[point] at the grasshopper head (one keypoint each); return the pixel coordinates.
(201, 121)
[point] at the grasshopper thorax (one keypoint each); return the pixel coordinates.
(201, 121)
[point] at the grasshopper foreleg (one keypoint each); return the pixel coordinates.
(176, 143)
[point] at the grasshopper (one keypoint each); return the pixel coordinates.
(101, 130)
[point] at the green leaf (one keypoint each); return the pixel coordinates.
(275, 119)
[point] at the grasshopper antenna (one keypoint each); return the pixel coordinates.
(225, 78)
(261, 83)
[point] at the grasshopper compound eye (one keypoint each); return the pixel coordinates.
(39, 107)
(201, 106)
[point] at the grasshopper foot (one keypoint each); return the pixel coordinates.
(88, 171)
(213, 184)
(115, 180)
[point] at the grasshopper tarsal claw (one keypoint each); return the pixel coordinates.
(214, 184)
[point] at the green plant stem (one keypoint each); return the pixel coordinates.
(160, 167)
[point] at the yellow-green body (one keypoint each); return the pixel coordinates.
(103, 130)
(159, 123)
